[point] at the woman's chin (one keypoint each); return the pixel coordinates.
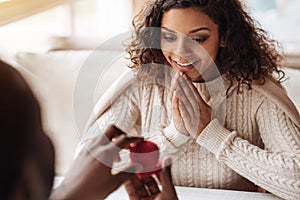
(195, 76)
(197, 79)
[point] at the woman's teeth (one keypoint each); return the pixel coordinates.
(184, 64)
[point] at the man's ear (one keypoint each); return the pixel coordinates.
(20, 191)
(23, 185)
(31, 185)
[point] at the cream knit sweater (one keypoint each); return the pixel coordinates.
(252, 142)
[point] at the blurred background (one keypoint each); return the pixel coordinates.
(28, 24)
(48, 42)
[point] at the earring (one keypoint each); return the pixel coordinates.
(222, 44)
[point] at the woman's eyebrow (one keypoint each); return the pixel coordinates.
(169, 30)
(192, 31)
(199, 29)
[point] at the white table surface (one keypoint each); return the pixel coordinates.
(189, 193)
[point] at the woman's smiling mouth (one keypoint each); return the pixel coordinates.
(186, 66)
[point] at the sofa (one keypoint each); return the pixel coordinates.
(53, 77)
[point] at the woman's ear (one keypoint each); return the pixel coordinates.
(222, 42)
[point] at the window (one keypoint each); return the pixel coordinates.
(88, 18)
(102, 18)
(32, 33)
(281, 18)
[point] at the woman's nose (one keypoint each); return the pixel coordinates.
(183, 47)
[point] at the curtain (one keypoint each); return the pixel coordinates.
(12, 10)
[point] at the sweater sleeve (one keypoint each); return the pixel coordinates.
(169, 139)
(276, 168)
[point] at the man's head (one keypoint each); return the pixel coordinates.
(27, 154)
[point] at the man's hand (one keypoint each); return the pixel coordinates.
(90, 175)
(147, 188)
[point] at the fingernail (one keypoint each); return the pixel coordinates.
(175, 93)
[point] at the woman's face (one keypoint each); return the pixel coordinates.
(190, 42)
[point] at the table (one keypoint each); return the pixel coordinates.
(190, 193)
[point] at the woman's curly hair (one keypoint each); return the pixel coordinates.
(249, 54)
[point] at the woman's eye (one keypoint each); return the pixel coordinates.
(200, 39)
(169, 38)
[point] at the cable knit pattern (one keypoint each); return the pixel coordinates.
(256, 144)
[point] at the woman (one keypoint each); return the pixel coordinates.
(228, 125)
